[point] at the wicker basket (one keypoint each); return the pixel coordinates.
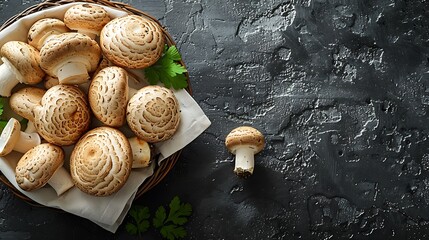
(160, 170)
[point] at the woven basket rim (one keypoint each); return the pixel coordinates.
(161, 170)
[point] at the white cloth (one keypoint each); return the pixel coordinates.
(107, 212)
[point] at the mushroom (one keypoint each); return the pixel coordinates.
(132, 41)
(142, 156)
(43, 165)
(23, 102)
(101, 161)
(63, 115)
(13, 139)
(86, 19)
(20, 65)
(244, 142)
(70, 57)
(153, 114)
(42, 30)
(108, 95)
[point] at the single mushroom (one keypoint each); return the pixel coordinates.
(87, 19)
(101, 161)
(20, 65)
(132, 41)
(42, 30)
(70, 57)
(142, 152)
(244, 142)
(153, 114)
(23, 102)
(43, 165)
(108, 96)
(13, 139)
(63, 115)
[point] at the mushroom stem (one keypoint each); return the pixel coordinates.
(141, 152)
(244, 161)
(26, 141)
(61, 181)
(8, 78)
(73, 73)
(30, 127)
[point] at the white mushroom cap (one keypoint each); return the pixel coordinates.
(87, 19)
(132, 41)
(141, 149)
(23, 101)
(41, 165)
(244, 142)
(70, 57)
(101, 161)
(20, 65)
(153, 114)
(13, 139)
(63, 115)
(108, 96)
(44, 29)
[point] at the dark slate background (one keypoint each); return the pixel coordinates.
(339, 88)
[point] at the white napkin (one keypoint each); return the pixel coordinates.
(107, 212)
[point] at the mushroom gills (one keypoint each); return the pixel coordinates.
(244, 160)
(9, 77)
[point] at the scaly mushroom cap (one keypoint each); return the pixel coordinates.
(23, 101)
(101, 161)
(44, 28)
(108, 96)
(153, 114)
(132, 41)
(25, 60)
(63, 115)
(37, 166)
(245, 136)
(69, 47)
(86, 17)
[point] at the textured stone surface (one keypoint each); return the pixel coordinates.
(341, 90)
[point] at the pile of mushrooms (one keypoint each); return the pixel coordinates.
(70, 80)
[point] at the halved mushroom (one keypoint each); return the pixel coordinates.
(70, 57)
(108, 95)
(101, 161)
(63, 115)
(43, 165)
(244, 142)
(43, 29)
(20, 65)
(87, 19)
(132, 41)
(23, 102)
(13, 139)
(153, 114)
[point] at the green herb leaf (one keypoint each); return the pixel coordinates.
(173, 232)
(179, 211)
(140, 216)
(160, 216)
(1, 105)
(167, 70)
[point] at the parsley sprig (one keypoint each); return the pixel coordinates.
(168, 70)
(3, 121)
(169, 225)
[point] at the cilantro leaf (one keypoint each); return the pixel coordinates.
(1, 105)
(179, 211)
(160, 216)
(140, 216)
(168, 70)
(173, 232)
